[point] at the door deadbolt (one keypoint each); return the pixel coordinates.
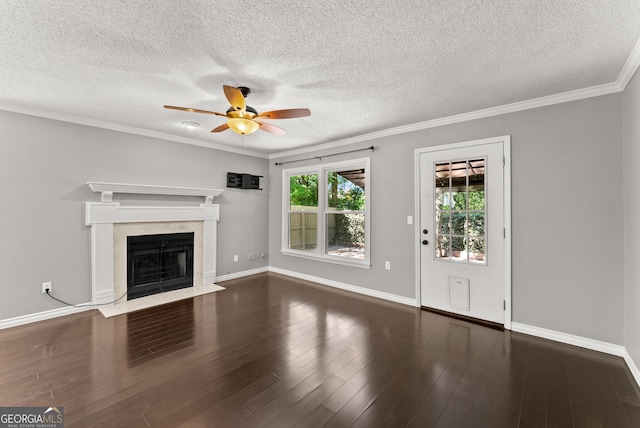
(425, 231)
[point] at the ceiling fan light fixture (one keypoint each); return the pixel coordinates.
(243, 126)
(241, 118)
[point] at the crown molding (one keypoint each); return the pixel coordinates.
(628, 70)
(630, 67)
(564, 97)
(80, 120)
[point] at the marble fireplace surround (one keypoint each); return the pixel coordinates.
(111, 223)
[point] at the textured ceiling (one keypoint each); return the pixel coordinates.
(359, 66)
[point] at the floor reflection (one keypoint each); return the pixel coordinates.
(156, 332)
(272, 350)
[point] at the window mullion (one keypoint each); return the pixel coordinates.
(322, 211)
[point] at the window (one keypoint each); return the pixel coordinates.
(460, 211)
(303, 212)
(326, 212)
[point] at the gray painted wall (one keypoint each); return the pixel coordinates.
(567, 222)
(44, 165)
(567, 209)
(631, 216)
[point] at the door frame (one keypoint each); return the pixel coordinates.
(506, 171)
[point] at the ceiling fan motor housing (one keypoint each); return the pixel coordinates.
(245, 91)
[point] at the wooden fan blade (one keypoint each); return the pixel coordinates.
(271, 129)
(286, 114)
(235, 98)
(221, 128)
(194, 110)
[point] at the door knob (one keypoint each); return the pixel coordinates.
(425, 242)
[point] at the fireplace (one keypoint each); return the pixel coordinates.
(159, 263)
(112, 223)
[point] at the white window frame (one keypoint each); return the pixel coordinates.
(323, 171)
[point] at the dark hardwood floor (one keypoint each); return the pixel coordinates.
(272, 351)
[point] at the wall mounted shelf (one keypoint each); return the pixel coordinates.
(243, 181)
(108, 189)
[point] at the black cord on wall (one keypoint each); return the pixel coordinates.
(84, 306)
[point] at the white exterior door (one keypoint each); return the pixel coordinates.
(462, 229)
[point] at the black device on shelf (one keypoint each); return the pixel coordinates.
(243, 181)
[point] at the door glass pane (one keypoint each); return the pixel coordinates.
(459, 185)
(458, 248)
(443, 196)
(442, 247)
(458, 222)
(477, 249)
(443, 220)
(460, 210)
(443, 199)
(476, 223)
(476, 184)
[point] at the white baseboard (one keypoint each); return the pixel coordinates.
(244, 273)
(583, 342)
(348, 287)
(104, 297)
(43, 316)
(55, 313)
(209, 277)
(632, 366)
(569, 339)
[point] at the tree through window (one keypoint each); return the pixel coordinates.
(303, 212)
(345, 213)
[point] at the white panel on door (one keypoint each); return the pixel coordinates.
(459, 293)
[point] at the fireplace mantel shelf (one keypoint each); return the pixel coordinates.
(108, 189)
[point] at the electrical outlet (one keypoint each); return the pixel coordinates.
(46, 286)
(235, 258)
(387, 265)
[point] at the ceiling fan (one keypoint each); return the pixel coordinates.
(243, 119)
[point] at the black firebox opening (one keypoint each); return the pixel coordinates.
(159, 263)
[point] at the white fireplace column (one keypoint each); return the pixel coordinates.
(102, 216)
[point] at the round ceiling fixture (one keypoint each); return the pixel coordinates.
(190, 125)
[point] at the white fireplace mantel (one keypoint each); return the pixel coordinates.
(108, 189)
(102, 216)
